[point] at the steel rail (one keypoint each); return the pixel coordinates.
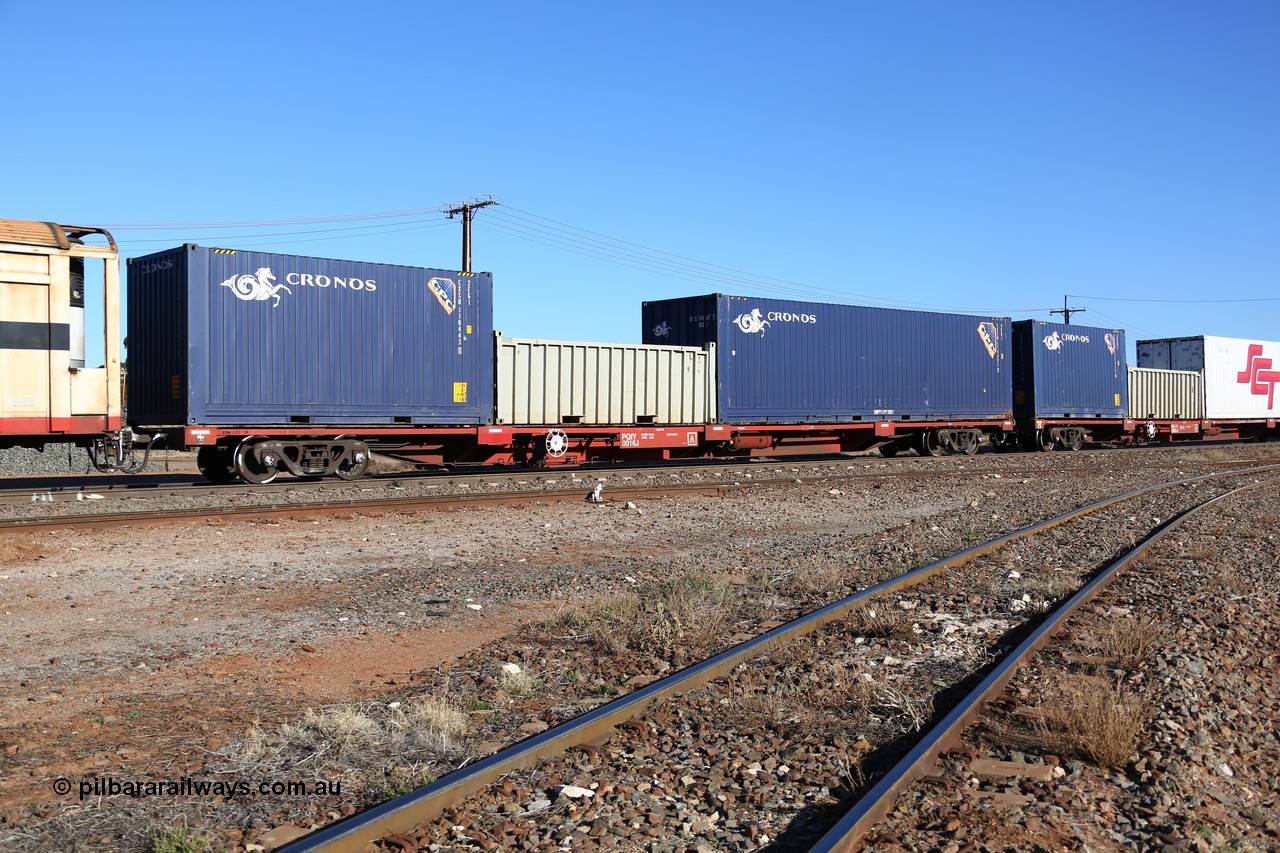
(182, 484)
(354, 834)
(348, 505)
(946, 734)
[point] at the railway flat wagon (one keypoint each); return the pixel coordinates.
(934, 379)
(48, 392)
(249, 353)
(1070, 383)
(1241, 375)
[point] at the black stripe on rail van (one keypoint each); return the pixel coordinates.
(41, 336)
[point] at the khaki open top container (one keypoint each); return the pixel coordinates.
(576, 382)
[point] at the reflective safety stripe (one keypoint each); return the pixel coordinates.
(46, 336)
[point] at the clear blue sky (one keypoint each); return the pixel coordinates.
(985, 157)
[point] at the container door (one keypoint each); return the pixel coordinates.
(89, 380)
(26, 338)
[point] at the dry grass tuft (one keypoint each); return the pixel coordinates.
(810, 579)
(820, 700)
(1202, 550)
(1236, 582)
(884, 621)
(521, 685)
(1128, 643)
(1050, 586)
(1263, 526)
(906, 712)
(355, 741)
(1092, 718)
(690, 612)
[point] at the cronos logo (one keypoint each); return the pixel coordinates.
(1057, 341)
(256, 287)
(755, 321)
(751, 323)
(262, 285)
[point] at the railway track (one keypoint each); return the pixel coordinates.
(707, 696)
(71, 505)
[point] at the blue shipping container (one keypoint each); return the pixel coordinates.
(781, 361)
(228, 337)
(1063, 371)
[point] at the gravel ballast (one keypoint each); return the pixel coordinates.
(171, 643)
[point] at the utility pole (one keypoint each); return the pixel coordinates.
(1066, 312)
(467, 209)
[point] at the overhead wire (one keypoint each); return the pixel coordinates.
(378, 230)
(657, 259)
(627, 253)
(1176, 301)
(341, 236)
(268, 223)
(532, 227)
(1120, 324)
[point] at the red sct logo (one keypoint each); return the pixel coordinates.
(1259, 376)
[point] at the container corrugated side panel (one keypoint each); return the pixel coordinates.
(544, 382)
(793, 362)
(158, 340)
(1156, 394)
(285, 339)
(1241, 378)
(1065, 371)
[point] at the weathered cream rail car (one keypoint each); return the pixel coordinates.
(47, 392)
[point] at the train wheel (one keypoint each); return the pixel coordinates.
(557, 443)
(216, 465)
(248, 466)
(971, 449)
(1045, 440)
(354, 466)
(929, 445)
(1003, 442)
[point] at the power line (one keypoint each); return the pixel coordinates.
(1179, 301)
(560, 235)
(638, 256)
(319, 239)
(268, 223)
(375, 228)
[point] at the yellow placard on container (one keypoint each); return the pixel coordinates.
(459, 392)
(1117, 399)
(175, 386)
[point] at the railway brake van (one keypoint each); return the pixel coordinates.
(48, 392)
